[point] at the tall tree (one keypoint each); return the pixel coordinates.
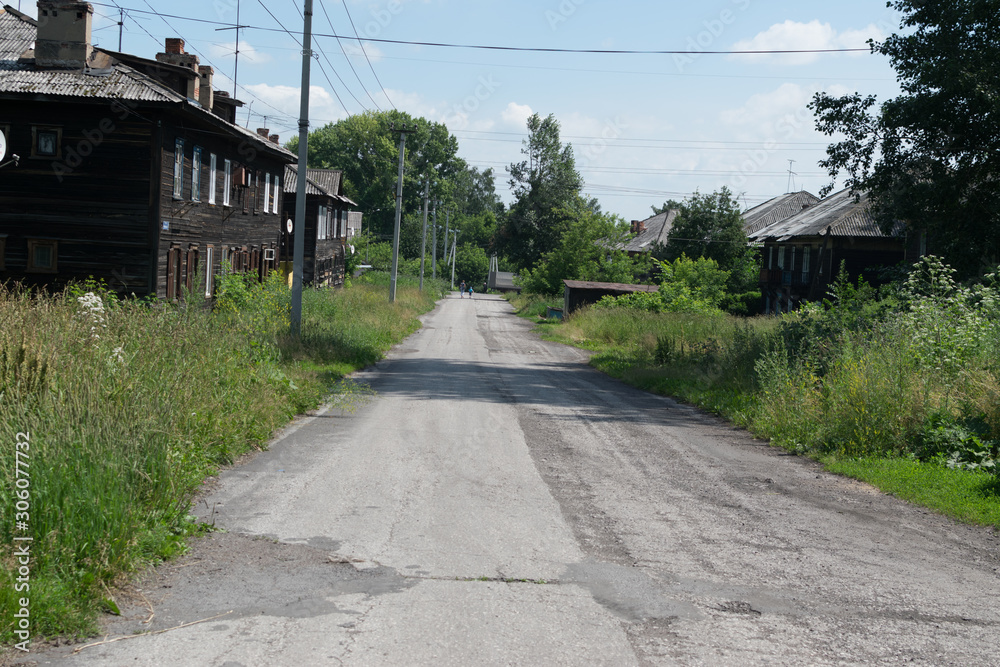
(545, 186)
(367, 151)
(931, 156)
(711, 226)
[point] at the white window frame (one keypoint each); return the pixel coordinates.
(805, 263)
(267, 193)
(277, 190)
(321, 218)
(212, 166)
(178, 168)
(227, 182)
(196, 174)
(781, 257)
(209, 282)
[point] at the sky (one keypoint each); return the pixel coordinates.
(644, 127)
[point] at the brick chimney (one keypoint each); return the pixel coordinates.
(264, 132)
(638, 226)
(63, 39)
(206, 96)
(174, 55)
(274, 138)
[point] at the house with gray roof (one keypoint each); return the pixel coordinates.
(327, 225)
(651, 232)
(776, 209)
(803, 252)
(132, 170)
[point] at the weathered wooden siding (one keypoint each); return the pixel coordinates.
(92, 198)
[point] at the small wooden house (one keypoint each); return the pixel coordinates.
(132, 170)
(327, 225)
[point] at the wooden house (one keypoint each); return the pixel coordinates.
(132, 170)
(651, 233)
(327, 225)
(803, 252)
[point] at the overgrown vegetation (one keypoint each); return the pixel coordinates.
(129, 405)
(910, 372)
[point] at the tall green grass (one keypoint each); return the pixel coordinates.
(912, 372)
(129, 405)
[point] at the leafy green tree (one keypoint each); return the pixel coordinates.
(668, 205)
(546, 186)
(367, 151)
(590, 249)
(711, 226)
(471, 265)
(931, 156)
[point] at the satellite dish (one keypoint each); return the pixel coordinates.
(3, 147)
(288, 223)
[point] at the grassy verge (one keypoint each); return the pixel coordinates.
(126, 407)
(873, 402)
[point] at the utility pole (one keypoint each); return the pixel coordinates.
(121, 25)
(423, 237)
(447, 215)
(300, 187)
(434, 251)
(403, 131)
(454, 251)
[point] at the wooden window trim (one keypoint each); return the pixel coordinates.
(209, 271)
(213, 177)
(35, 131)
(190, 267)
(174, 272)
(33, 244)
(227, 183)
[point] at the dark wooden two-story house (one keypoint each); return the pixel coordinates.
(802, 252)
(327, 225)
(132, 170)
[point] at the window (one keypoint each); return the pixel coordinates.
(277, 189)
(267, 192)
(46, 142)
(770, 257)
(42, 256)
(209, 277)
(178, 168)
(196, 174)
(174, 272)
(227, 182)
(321, 224)
(805, 264)
(212, 166)
(191, 268)
(781, 257)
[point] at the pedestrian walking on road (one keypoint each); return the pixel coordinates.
(461, 290)
(470, 291)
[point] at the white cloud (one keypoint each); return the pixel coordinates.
(248, 54)
(796, 36)
(516, 114)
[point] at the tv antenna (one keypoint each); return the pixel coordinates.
(791, 175)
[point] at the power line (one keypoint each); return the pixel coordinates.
(362, 45)
(346, 57)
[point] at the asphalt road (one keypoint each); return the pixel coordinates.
(501, 503)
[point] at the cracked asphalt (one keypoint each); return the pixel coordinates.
(499, 502)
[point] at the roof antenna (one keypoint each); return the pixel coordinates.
(791, 174)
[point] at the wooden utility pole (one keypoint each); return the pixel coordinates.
(403, 131)
(423, 237)
(300, 187)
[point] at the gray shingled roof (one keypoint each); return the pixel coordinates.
(324, 182)
(837, 215)
(108, 79)
(776, 210)
(657, 229)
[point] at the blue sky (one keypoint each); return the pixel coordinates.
(644, 127)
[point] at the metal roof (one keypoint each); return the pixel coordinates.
(837, 215)
(776, 210)
(17, 34)
(105, 78)
(656, 230)
(323, 182)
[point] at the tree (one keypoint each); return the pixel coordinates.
(367, 151)
(668, 205)
(711, 226)
(931, 156)
(545, 186)
(589, 249)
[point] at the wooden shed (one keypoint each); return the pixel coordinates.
(579, 293)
